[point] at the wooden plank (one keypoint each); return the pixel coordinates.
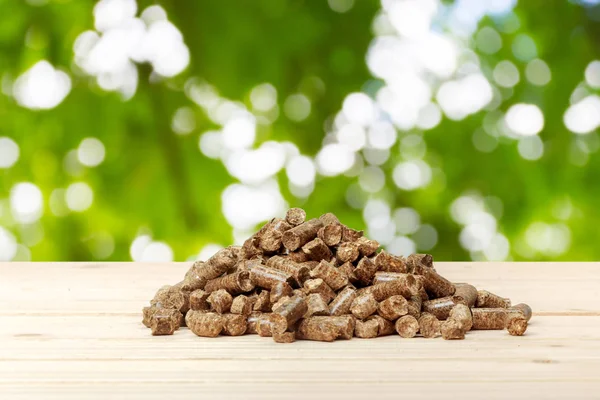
(124, 288)
(73, 331)
(312, 390)
(124, 337)
(109, 355)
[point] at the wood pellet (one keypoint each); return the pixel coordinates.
(319, 280)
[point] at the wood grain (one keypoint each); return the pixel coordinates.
(73, 331)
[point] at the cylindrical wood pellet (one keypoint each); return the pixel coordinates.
(288, 313)
(489, 318)
(348, 270)
(299, 273)
(487, 299)
(193, 280)
(331, 275)
(316, 305)
(236, 283)
(436, 285)
(439, 307)
(317, 250)
(429, 325)
(347, 252)
(168, 297)
(363, 306)
(393, 307)
(280, 290)
(365, 271)
(242, 305)
(387, 262)
(252, 320)
(407, 326)
(329, 218)
(366, 329)
(414, 306)
(299, 235)
(343, 301)
(416, 261)
(270, 238)
(350, 235)
(366, 247)
(267, 278)
(164, 322)
(198, 300)
(451, 330)
(406, 287)
(264, 326)
(220, 301)
(462, 314)
(262, 302)
(330, 234)
(285, 337)
(318, 330)
(385, 276)
(234, 324)
(385, 327)
(516, 325)
(218, 264)
(320, 287)
(465, 294)
(205, 324)
(279, 303)
(525, 309)
(298, 256)
(295, 216)
(344, 324)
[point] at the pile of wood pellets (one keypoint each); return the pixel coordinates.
(321, 280)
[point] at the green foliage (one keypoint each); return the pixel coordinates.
(154, 179)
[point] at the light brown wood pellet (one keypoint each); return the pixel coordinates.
(451, 329)
(331, 275)
(206, 324)
(516, 325)
(288, 314)
(407, 326)
(487, 299)
(386, 327)
(489, 318)
(366, 329)
(220, 301)
(465, 294)
(429, 325)
(439, 307)
(462, 314)
(315, 305)
(393, 308)
(242, 305)
(343, 301)
(295, 216)
(363, 306)
(318, 279)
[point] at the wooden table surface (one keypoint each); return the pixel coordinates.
(73, 331)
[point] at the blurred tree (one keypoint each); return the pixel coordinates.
(153, 181)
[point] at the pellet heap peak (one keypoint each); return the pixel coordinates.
(321, 280)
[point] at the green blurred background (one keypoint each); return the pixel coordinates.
(159, 131)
